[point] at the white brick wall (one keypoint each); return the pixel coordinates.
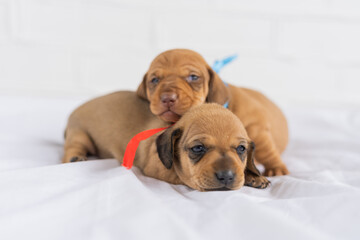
(4, 28)
(295, 51)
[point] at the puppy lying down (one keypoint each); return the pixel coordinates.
(179, 79)
(207, 149)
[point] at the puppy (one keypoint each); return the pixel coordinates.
(180, 79)
(207, 149)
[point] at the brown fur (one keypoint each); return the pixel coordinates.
(263, 120)
(105, 125)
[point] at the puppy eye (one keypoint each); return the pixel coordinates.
(198, 149)
(240, 149)
(192, 77)
(155, 80)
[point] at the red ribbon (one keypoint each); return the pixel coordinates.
(133, 144)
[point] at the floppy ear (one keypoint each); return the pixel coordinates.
(250, 165)
(218, 91)
(141, 91)
(165, 145)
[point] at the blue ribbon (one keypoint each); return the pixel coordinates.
(219, 64)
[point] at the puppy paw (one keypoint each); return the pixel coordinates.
(252, 180)
(75, 159)
(276, 171)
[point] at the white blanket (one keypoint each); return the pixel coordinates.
(43, 199)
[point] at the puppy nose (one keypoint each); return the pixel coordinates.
(168, 99)
(226, 177)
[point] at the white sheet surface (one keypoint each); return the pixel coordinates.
(43, 199)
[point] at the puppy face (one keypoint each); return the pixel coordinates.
(208, 148)
(178, 80)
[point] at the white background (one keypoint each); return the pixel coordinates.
(296, 52)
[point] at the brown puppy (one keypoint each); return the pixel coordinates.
(179, 79)
(207, 149)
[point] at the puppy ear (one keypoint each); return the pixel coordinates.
(250, 165)
(218, 91)
(165, 145)
(141, 91)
